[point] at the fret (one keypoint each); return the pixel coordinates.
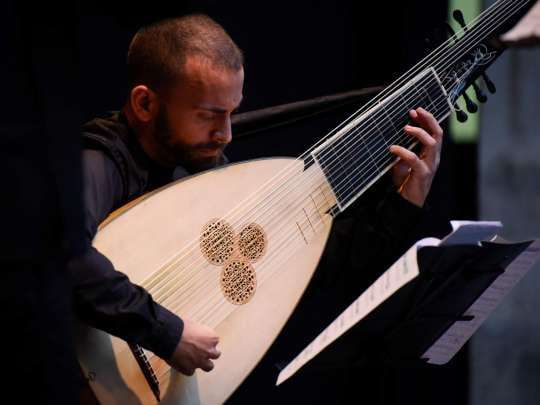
(378, 130)
(338, 168)
(427, 101)
(328, 196)
(388, 118)
(308, 220)
(372, 155)
(325, 198)
(381, 143)
(349, 150)
(376, 145)
(316, 207)
(315, 200)
(436, 96)
(340, 177)
(407, 101)
(301, 232)
(401, 118)
(433, 108)
(361, 169)
(336, 157)
(414, 101)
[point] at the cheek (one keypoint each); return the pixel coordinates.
(188, 129)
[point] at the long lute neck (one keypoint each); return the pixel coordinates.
(356, 154)
(354, 158)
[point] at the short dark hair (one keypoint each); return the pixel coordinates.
(158, 52)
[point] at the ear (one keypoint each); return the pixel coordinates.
(144, 103)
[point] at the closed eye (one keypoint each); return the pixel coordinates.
(206, 115)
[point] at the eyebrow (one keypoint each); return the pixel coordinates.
(216, 109)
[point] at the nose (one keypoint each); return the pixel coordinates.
(223, 134)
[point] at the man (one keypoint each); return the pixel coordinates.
(186, 78)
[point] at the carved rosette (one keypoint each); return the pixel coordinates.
(234, 253)
(252, 242)
(217, 242)
(238, 282)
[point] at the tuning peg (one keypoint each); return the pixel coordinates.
(458, 16)
(489, 84)
(471, 105)
(479, 94)
(460, 114)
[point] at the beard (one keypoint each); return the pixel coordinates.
(182, 154)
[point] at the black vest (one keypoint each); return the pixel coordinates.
(112, 135)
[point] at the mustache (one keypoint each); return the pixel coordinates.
(211, 145)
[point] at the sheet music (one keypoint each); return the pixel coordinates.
(405, 270)
(455, 337)
(399, 274)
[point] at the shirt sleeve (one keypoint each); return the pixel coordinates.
(104, 297)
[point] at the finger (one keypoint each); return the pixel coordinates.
(430, 149)
(214, 353)
(428, 122)
(410, 158)
(207, 365)
(420, 134)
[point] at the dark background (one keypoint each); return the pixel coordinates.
(294, 50)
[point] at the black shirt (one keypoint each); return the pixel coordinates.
(104, 297)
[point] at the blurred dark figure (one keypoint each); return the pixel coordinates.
(527, 31)
(42, 227)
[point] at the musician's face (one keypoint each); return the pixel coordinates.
(193, 125)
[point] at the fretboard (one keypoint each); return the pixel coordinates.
(358, 154)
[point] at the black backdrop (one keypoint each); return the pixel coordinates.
(294, 50)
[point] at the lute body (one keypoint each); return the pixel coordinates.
(140, 239)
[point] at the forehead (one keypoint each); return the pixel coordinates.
(204, 83)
